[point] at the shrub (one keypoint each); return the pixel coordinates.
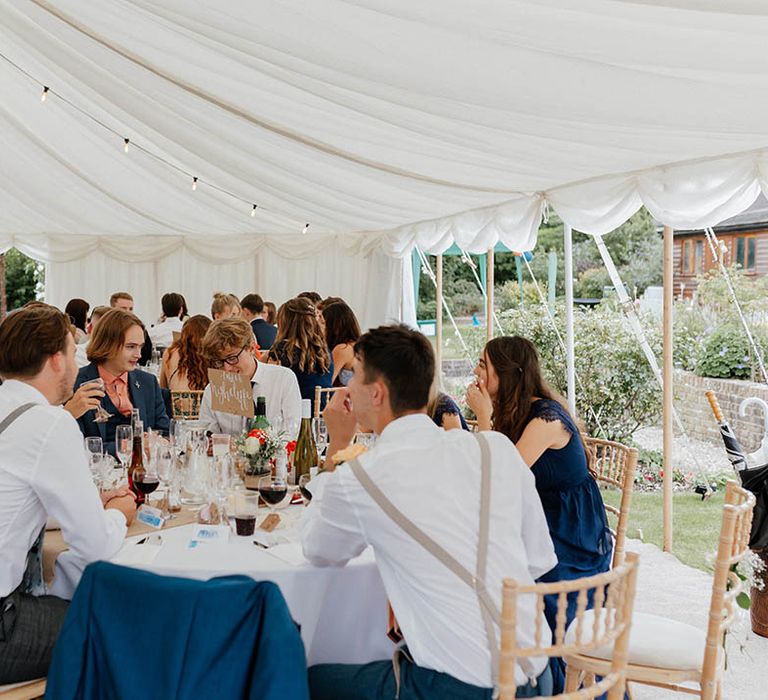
(689, 333)
(726, 353)
(591, 282)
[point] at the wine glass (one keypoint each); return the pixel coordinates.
(272, 490)
(124, 444)
(164, 459)
(101, 414)
(94, 448)
(306, 494)
(145, 480)
(321, 437)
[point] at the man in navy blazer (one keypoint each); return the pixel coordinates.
(114, 352)
(252, 310)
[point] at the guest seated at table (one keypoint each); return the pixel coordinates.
(511, 395)
(161, 333)
(432, 477)
(271, 313)
(341, 333)
(224, 306)
(230, 345)
(124, 301)
(44, 473)
(443, 410)
(77, 310)
(253, 311)
(300, 346)
(114, 352)
(184, 367)
(314, 297)
(81, 357)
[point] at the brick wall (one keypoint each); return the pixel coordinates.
(697, 416)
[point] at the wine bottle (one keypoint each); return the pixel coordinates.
(137, 460)
(733, 448)
(260, 417)
(305, 456)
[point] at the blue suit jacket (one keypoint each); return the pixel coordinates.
(230, 637)
(145, 394)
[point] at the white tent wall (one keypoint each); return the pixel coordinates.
(378, 287)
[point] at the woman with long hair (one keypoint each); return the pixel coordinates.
(341, 333)
(301, 346)
(511, 396)
(184, 367)
(77, 310)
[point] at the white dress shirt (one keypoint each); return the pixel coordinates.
(277, 384)
(161, 334)
(433, 477)
(44, 473)
(80, 354)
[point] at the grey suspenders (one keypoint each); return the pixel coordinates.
(476, 581)
(14, 414)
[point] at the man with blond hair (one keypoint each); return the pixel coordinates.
(229, 344)
(44, 473)
(121, 300)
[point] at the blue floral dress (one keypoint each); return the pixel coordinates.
(575, 513)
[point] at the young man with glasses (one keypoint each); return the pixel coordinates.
(229, 344)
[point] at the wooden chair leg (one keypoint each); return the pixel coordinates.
(589, 680)
(572, 676)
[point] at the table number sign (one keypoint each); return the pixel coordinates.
(231, 393)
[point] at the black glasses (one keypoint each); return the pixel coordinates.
(231, 360)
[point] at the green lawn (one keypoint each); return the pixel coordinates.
(695, 523)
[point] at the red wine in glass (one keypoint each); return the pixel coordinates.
(273, 494)
(145, 484)
(306, 494)
(245, 524)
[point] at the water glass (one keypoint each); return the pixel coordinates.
(245, 512)
(321, 436)
(124, 444)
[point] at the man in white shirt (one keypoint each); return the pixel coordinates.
(433, 478)
(43, 473)
(229, 344)
(161, 333)
(81, 351)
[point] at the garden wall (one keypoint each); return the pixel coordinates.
(697, 416)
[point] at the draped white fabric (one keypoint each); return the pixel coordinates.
(383, 124)
(371, 285)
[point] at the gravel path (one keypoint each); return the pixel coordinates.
(686, 452)
(669, 588)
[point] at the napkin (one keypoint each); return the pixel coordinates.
(133, 554)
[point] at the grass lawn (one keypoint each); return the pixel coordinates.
(695, 523)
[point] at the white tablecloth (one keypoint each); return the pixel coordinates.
(342, 611)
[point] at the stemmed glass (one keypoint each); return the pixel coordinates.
(124, 445)
(94, 449)
(272, 490)
(146, 480)
(321, 437)
(165, 474)
(306, 494)
(101, 415)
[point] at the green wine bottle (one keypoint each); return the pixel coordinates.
(305, 457)
(259, 419)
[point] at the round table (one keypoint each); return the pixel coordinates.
(342, 611)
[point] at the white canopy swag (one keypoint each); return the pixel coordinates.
(381, 124)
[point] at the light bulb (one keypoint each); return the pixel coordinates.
(45, 93)
(253, 211)
(126, 141)
(306, 228)
(194, 183)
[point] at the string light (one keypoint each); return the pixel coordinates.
(306, 228)
(126, 141)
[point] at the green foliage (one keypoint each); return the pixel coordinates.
(591, 283)
(616, 380)
(24, 278)
(689, 332)
(727, 354)
(713, 294)
(507, 296)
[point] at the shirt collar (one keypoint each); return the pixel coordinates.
(25, 391)
(256, 374)
(110, 378)
(400, 427)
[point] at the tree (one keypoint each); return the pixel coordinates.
(24, 279)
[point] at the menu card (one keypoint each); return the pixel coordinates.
(231, 393)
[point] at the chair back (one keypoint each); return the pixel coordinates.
(726, 585)
(472, 424)
(613, 595)
(185, 405)
(614, 464)
(322, 397)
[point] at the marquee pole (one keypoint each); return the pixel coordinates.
(489, 296)
(570, 353)
(439, 315)
(668, 407)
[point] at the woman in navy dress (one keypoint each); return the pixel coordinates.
(511, 396)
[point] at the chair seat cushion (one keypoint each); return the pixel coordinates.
(653, 641)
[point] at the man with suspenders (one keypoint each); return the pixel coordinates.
(43, 472)
(448, 515)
